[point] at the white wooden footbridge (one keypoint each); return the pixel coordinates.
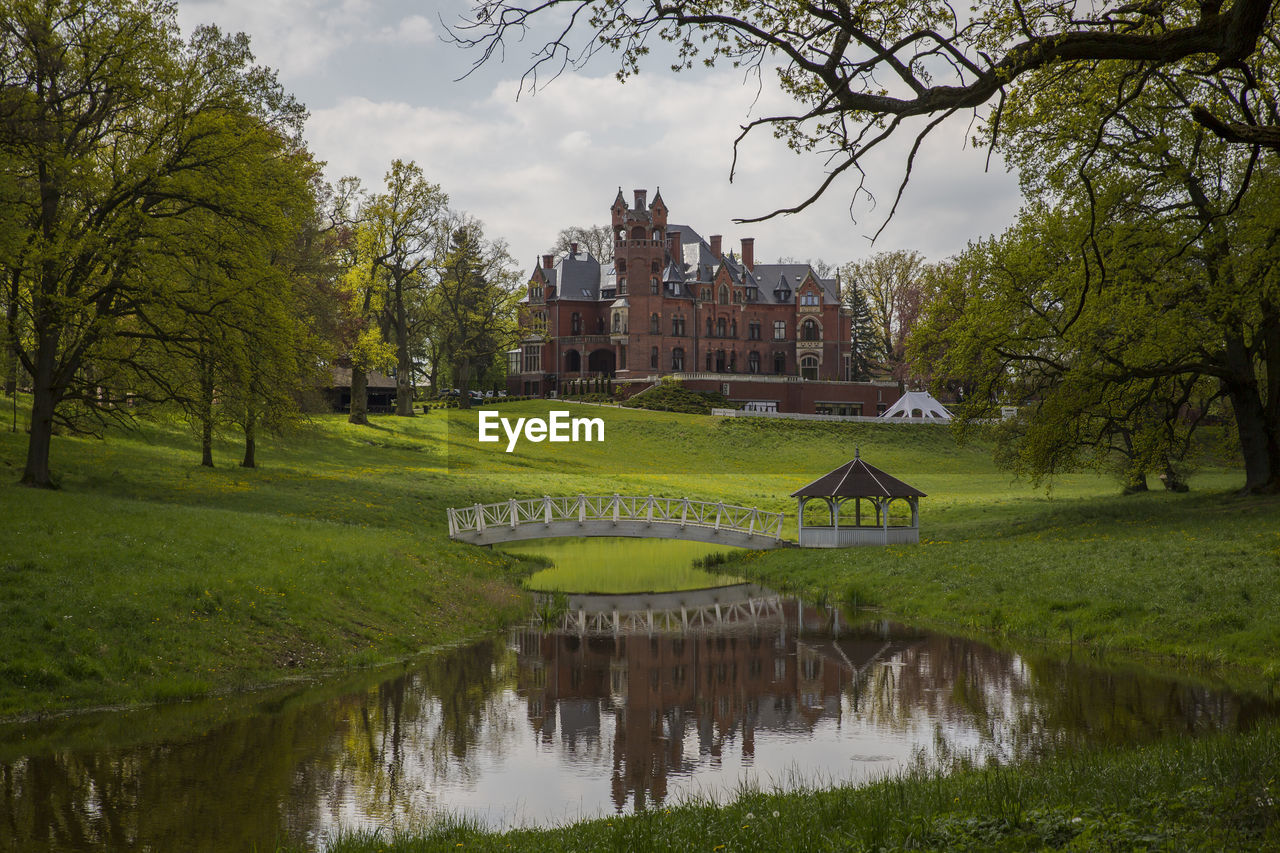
(617, 515)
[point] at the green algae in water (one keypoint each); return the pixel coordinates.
(611, 565)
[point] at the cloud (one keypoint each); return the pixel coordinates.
(300, 37)
(530, 167)
(413, 29)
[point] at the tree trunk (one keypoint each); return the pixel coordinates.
(11, 336)
(359, 396)
(250, 437)
(42, 404)
(404, 364)
(463, 377)
(205, 414)
(44, 399)
(1259, 444)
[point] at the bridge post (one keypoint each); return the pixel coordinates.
(511, 505)
(546, 509)
(684, 514)
(616, 501)
(582, 509)
(453, 524)
(751, 528)
(479, 518)
(719, 509)
(649, 517)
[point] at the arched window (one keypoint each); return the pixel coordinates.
(724, 295)
(779, 362)
(708, 327)
(677, 358)
(653, 267)
(617, 321)
(654, 285)
(753, 362)
(655, 324)
(810, 331)
(653, 357)
(720, 327)
(809, 367)
(720, 361)
(708, 361)
(622, 285)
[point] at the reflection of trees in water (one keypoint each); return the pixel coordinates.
(295, 767)
(1018, 707)
(411, 734)
(218, 792)
(953, 697)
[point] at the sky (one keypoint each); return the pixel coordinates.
(381, 83)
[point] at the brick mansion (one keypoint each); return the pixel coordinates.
(671, 303)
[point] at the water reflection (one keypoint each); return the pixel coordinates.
(622, 703)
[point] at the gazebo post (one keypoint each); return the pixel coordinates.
(857, 512)
(800, 519)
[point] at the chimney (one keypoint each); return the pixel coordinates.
(573, 249)
(715, 246)
(640, 194)
(677, 251)
(547, 261)
(749, 252)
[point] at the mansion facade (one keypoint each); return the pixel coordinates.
(776, 336)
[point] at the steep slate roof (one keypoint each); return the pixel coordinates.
(857, 479)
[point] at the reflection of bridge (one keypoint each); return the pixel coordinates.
(617, 515)
(723, 608)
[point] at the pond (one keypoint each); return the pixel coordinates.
(605, 704)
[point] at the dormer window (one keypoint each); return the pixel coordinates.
(809, 297)
(535, 290)
(783, 294)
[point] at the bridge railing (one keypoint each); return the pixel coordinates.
(583, 508)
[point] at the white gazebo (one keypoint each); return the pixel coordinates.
(917, 401)
(855, 482)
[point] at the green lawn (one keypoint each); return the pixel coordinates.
(148, 577)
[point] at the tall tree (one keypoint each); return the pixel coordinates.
(866, 347)
(473, 305)
(117, 127)
(406, 232)
(596, 239)
(890, 283)
(863, 75)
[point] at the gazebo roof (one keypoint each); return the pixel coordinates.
(857, 479)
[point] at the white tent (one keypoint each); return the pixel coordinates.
(917, 401)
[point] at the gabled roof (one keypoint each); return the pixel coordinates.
(857, 479)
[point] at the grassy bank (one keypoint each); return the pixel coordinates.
(1221, 793)
(149, 577)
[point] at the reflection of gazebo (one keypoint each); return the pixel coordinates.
(857, 481)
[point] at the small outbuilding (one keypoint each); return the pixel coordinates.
(855, 482)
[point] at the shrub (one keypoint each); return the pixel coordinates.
(673, 397)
